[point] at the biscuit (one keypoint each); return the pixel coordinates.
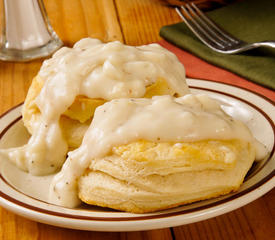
(78, 116)
(138, 182)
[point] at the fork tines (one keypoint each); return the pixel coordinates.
(205, 29)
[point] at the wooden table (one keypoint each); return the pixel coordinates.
(133, 22)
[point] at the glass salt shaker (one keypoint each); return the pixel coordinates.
(26, 32)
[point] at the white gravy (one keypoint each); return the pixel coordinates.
(96, 70)
(160, 119)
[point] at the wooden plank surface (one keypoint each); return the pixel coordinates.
(254, 221)
(134, 22)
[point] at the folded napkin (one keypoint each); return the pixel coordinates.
(199, 69)
(249, 20)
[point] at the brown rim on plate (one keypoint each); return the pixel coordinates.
(161, 215)
(236, 86)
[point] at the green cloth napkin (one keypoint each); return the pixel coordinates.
(249, 20)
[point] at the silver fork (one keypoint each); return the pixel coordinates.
(212, 35)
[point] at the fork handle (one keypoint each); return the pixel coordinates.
(255, 45)
(265, 44)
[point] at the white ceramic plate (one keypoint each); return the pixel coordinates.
(26, 195)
